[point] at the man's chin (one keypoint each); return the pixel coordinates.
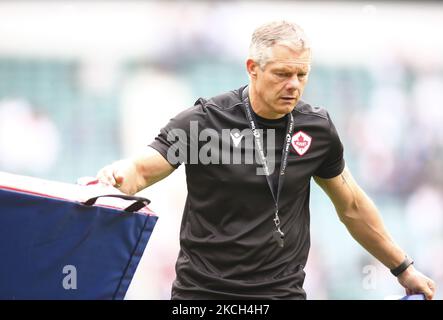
(286, 108)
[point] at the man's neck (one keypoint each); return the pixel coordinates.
(259, 106)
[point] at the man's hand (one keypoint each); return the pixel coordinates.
(118, 175)
(415, 282)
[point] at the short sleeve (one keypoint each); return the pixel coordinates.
(334, 162)
(175, 139)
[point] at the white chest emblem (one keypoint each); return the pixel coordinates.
(301, 142)
(236, 138)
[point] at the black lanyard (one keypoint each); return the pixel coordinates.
(277, 234)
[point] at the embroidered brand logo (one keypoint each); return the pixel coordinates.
(236, 138)
(301, 142)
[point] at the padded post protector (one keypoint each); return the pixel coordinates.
(52, 248)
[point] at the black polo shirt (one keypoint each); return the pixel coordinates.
(226, 246)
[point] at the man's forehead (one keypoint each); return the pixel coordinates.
(304, 64)
(284, 55)
(291, 62)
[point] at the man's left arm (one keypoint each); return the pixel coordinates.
(360, 216)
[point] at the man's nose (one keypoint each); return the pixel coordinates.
(293, 83)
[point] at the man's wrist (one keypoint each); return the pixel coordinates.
(407, 262)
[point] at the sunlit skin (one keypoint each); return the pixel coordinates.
(275, 90)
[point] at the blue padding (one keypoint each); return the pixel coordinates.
(40, 236)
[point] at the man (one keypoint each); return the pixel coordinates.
(245, 227)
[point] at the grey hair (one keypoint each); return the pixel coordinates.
(272, 33)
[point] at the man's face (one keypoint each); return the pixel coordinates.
(280, 84)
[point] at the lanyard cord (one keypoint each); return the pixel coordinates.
(278, 233)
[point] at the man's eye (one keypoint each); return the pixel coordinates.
(283, 74)
(302, 75)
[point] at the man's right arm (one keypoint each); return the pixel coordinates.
(136, 173)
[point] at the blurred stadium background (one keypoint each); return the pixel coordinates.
(84, 83)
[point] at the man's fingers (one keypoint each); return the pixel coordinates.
(430, 290)
(428, 294)
(106, 176)
(111, 175)
(118, 180)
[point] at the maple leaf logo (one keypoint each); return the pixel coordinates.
(301, 142)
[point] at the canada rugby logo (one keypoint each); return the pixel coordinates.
(301, 142)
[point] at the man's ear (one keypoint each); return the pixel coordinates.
(251, 67)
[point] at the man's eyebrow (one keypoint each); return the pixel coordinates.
(283, 69)
(289, 69)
